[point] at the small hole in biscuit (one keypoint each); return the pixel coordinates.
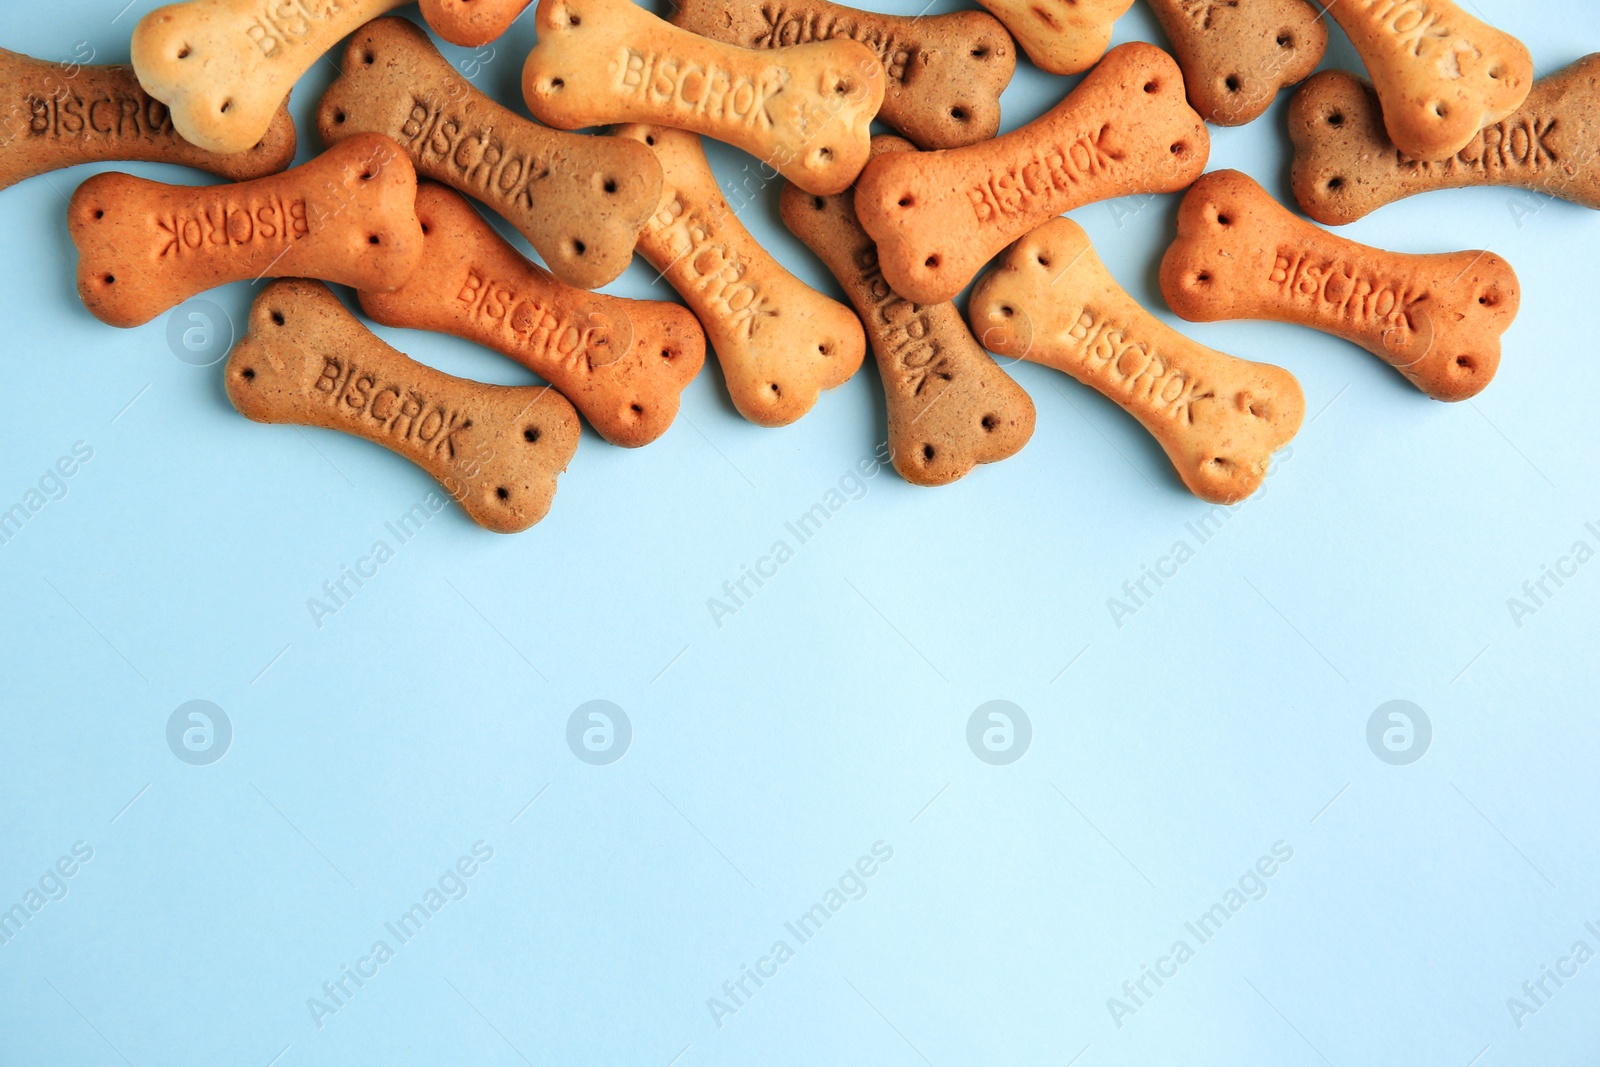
(981, 52)
(579, 248)
(248, 374)
(818, 203)
(667, 353)
(825, 154)
(1286, 39)
(99, 213)
(610, 185)
(959, 114)
(1232, 82)
(111, 279)
(1495, 71)
(277, 318)
(1335, 184)
(774, 387)
(1151, 86)
(574, 20)
(932, 262)
(825, 349)
(927, 453)
(531, 435)
(1486, 300)
(636, 409)
(1224, 220)
(424, 226)
(1007, 310)
(989, 422)
(1439, 109)
(906, 201)
(338, 116)
(1336, 119)
(1042, 259)
(367, 57)
(650, 139)
(503, 493)
(1218, 461)
(226, 104)
(557, 84)
(1203, 278)
(1179, 149)
(372, 238)
(183, 53)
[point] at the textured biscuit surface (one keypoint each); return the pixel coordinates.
(937, 217)
(1345, 166)
(805, 111)
(224, 67)
(1219, 418)
(780, 342)
(1060, 36)
(1237, 54)
(471, 23)
(56, 116)
(580, 201)
(306, 361)
(1437, 318)
(945, 72)
(347, 216)
(1442, 75)
(950, 407)
(622, 362)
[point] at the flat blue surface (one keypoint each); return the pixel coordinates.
(824, 721)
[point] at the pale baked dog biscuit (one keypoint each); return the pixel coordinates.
(306, 361)
(1060, 36)
(1237, 54)
(805, 111)
(780, 342)
(622, 362)
(937, 217)
(950, 407)
(57, 115)
(579, 200)
(1442, 75)
(1437, 318)
(946, 72)
(347, 216)
(1219, 418)
(1345, 166)
(225, 67)
(471, 23)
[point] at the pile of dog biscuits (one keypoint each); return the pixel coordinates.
(904, 223)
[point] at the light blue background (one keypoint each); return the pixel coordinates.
(829, 713)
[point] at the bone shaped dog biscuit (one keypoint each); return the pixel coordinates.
(579, 200)
(1436, 318)
(946, 72)
(939, 216)
(779, 341)
(1345, 166)
(306, 361)
(1219, 418)
(225, 66)
(804, 111)
(950, 406)
(347, 216)
(1237, 54)
(57, 117)
(621, 362)
(1060, 36)
(471, 23)
(1442, 75)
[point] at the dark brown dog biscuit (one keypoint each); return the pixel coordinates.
(57, 115)
(622, 362)
(1436, 319)
(580, 201)
(347, 216)
(1237, 54)
(471, 23)
(1345, 166)
(950, 406)
(306, 361)
(937, 217)
(946, 72)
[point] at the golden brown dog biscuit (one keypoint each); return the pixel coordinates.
(939, 216)
(1237, 54)
(471, 23)
(805, 111)
(1219, 418)
(225, 67)
(57, 115)
(1060, 36)
(950, 406)
(946, 72)
(622, 362)
(1442, 75)
(779, 341)
(306, 361)
(1437, 319)
(579, 200)
(1345, 166)
(347, 216)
